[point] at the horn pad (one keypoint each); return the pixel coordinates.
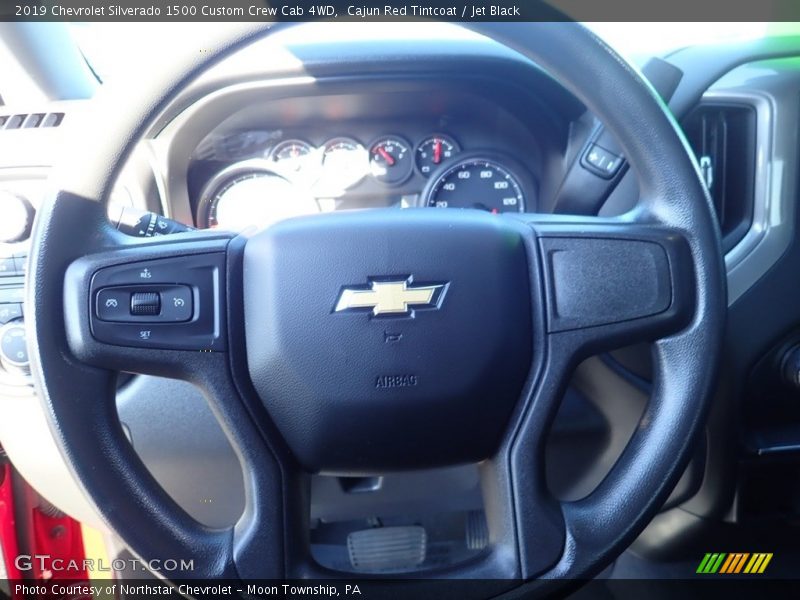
(389, 339)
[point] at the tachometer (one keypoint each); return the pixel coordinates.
(249, 194)
(478, 182)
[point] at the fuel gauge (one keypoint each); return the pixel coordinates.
(435, 150)
(390, 160)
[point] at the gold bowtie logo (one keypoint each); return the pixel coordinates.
(398, 298)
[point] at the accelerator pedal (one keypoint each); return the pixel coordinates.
(477, 531)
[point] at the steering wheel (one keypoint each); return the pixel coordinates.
(382, 340)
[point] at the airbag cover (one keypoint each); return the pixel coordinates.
(431, 378)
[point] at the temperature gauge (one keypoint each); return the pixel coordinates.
(434, 151)
(390, 160)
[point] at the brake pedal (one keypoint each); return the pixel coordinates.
(387, 549)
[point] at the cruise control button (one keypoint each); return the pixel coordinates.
(189, 293)
(113, 305)
(9, 312)
(145, 304)
(157, 335)
(177, 303)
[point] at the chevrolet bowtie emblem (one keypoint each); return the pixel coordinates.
(391, 298)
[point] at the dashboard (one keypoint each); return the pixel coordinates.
(434, 147)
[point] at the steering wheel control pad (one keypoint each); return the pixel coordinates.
(175, 303)
(389, 339)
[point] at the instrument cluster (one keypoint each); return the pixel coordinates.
(292, 176)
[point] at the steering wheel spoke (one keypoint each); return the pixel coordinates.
(610, 282)
(599, 284)
(175, 289)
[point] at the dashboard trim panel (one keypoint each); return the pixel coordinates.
(770, 231)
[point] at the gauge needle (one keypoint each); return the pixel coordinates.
(437, 152)
(482, 206)
(386, 156)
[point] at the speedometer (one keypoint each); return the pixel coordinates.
(481, 183)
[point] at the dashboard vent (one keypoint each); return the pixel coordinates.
(31, 120)
(723, 137)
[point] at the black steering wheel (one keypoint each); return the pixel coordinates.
(382, 340)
